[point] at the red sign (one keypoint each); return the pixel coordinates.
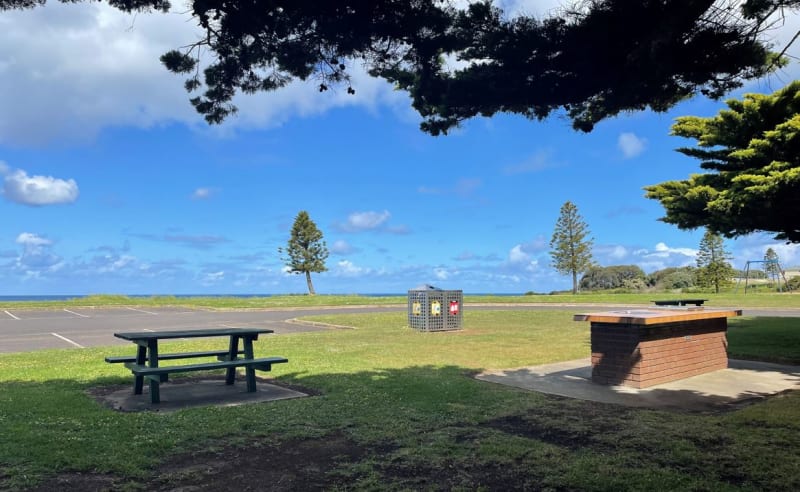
(454, 308)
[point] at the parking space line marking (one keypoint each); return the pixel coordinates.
(148, 329)
(141, 311)
(76, 314)
(67, 339)
(11, 315)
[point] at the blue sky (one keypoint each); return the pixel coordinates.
(112, 184)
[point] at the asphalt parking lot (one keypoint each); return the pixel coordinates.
(25, 330)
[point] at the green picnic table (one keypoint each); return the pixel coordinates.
(144, 365)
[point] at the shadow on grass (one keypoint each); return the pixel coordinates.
(415, 427)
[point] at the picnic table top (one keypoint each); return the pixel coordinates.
(656, 316)
(686, 300)
(211, 332)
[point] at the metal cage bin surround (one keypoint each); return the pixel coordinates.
(433, 309)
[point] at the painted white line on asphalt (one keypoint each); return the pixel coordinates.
(11, 315)
(76, 314)
(142, 311)
(68, 340)
(148, 329)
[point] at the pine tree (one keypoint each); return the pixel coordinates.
(771, 266)
(713, 268)
(751, 179)
(571, 249)
(306, 250)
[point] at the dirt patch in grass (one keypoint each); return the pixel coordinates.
(308, 464)
(543, 436)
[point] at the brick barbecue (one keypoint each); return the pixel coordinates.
(642, 348)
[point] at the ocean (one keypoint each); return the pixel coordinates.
(66, 297)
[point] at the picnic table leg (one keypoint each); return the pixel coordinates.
(233, 350)
(152, 352)
(250, 371)
(138, 381)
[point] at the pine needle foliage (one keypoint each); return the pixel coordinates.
(571, 245)
(712, 263)
(306, 250)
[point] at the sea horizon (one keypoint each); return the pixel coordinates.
(66, 297)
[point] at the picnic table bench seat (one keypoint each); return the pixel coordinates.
(222, 354)
(262, 364)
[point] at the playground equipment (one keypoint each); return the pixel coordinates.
(775, 274)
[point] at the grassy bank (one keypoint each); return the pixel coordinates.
(406, 402)
(727, 299)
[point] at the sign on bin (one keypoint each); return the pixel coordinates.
(453, 308)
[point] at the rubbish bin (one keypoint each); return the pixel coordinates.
(434, 309)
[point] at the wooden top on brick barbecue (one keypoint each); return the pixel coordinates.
(656, 316)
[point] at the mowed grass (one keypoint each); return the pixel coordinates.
(726, 299)
(408, 399)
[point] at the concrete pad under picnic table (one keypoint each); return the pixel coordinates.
(192, 392)
(741, 383)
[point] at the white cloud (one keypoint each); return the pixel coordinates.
(364, 221)
(212, 278)
(115, 264)
(441, 273)
(341, 247)
(612, 252)
(68, 71)
(631, 145)
(36, 191)
(516, 255)
(754, 247)
(347, 268)
(31, 240)
(537, 8)
(662, 250)
(658, 258)
(36, 258)
(203, 193)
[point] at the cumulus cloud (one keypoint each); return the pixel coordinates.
(347, 268)
(68, 71)
(36, 191)
(31, 240)
(610, 253)
(662, 250)
(631, 145)
(517, 255)
(754, 247)
(370, 221)
(659, 257)
(36, 257)
(441, 273)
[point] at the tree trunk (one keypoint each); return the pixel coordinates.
(310, 285)
(574, 282)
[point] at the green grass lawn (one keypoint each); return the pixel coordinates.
(725, 299)
(409, 400)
